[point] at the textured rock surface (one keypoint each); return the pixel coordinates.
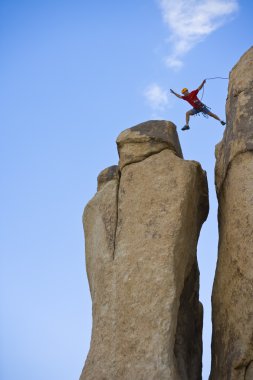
(232, 341)
(141, 233)
(238, 135)
(145, 139)
(107, 175)
(100, 219)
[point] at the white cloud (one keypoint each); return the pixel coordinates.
(174, 62)
(157, 97)
(190, 21)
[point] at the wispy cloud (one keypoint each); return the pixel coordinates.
(156, 97)
(191, 21)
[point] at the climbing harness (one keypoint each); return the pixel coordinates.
(203, 113)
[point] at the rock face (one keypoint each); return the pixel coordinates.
(141, 233)
(232, 341)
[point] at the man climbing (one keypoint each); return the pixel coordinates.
(198, 106)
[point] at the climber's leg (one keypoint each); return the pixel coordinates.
(215, 117)
(187, 119)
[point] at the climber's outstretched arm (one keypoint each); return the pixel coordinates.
(174, 93)
(202, 84)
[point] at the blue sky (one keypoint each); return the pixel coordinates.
(73, 75)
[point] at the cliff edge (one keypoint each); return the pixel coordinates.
(232, 313)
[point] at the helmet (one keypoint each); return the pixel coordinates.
(184, 90)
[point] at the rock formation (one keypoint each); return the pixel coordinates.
(232, 298)
(141, 232)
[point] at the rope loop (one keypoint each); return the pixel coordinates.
(210, 79)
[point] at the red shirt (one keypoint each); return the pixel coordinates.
(193, 100)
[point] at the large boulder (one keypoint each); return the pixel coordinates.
(141, 233)
(232, 340)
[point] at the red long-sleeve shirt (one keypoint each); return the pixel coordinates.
(193, 99)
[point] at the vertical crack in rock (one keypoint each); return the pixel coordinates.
(232, 307)
(249, 371)
(117, 217)
(111, 174)
(141, 233)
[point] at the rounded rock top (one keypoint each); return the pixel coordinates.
(142, 140)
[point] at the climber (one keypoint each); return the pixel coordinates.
(198, 106)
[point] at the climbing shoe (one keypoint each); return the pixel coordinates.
(185, 128)
(223, 122)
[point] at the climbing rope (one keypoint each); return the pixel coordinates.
(216, 78)
(210, 79)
